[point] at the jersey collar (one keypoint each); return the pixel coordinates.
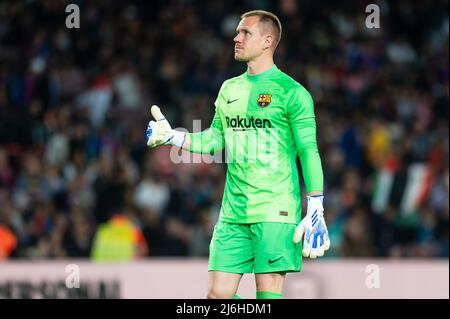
(263, 75)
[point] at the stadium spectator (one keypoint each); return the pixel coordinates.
(119, 239)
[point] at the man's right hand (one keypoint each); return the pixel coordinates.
(159, 132)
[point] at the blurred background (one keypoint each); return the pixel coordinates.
(74, 105)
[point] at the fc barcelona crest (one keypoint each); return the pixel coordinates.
(264, 99)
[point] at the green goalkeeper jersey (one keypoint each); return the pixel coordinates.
(264, 121)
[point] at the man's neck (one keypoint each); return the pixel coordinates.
(260, 65)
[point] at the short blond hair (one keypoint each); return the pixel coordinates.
(269, 18)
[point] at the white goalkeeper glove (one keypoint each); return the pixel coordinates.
(160, 132)
(313, 226)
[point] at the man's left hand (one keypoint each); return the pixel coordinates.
(313, 226)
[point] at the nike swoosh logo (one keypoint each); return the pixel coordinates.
(272, 261)
(231, 101)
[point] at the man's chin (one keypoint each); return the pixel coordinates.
(239, 58)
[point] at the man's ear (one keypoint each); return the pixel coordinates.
(268, 41)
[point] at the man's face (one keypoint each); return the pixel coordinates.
(249, 43)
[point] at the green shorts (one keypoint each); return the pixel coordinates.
(254, 248)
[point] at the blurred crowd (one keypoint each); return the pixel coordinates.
(74, 106)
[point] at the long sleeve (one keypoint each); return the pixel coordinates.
(211, 140)
(301, 117)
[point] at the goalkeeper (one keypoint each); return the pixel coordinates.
(264, 119)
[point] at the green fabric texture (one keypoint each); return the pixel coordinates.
(251, 248)
(264, 122)
(268, 295)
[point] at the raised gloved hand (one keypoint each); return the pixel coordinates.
(313, 226)
(160, 132)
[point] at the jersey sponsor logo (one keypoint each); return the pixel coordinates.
(231, 101)
(264, 100)
(283, 213)
(244, 123)
(271, 261)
